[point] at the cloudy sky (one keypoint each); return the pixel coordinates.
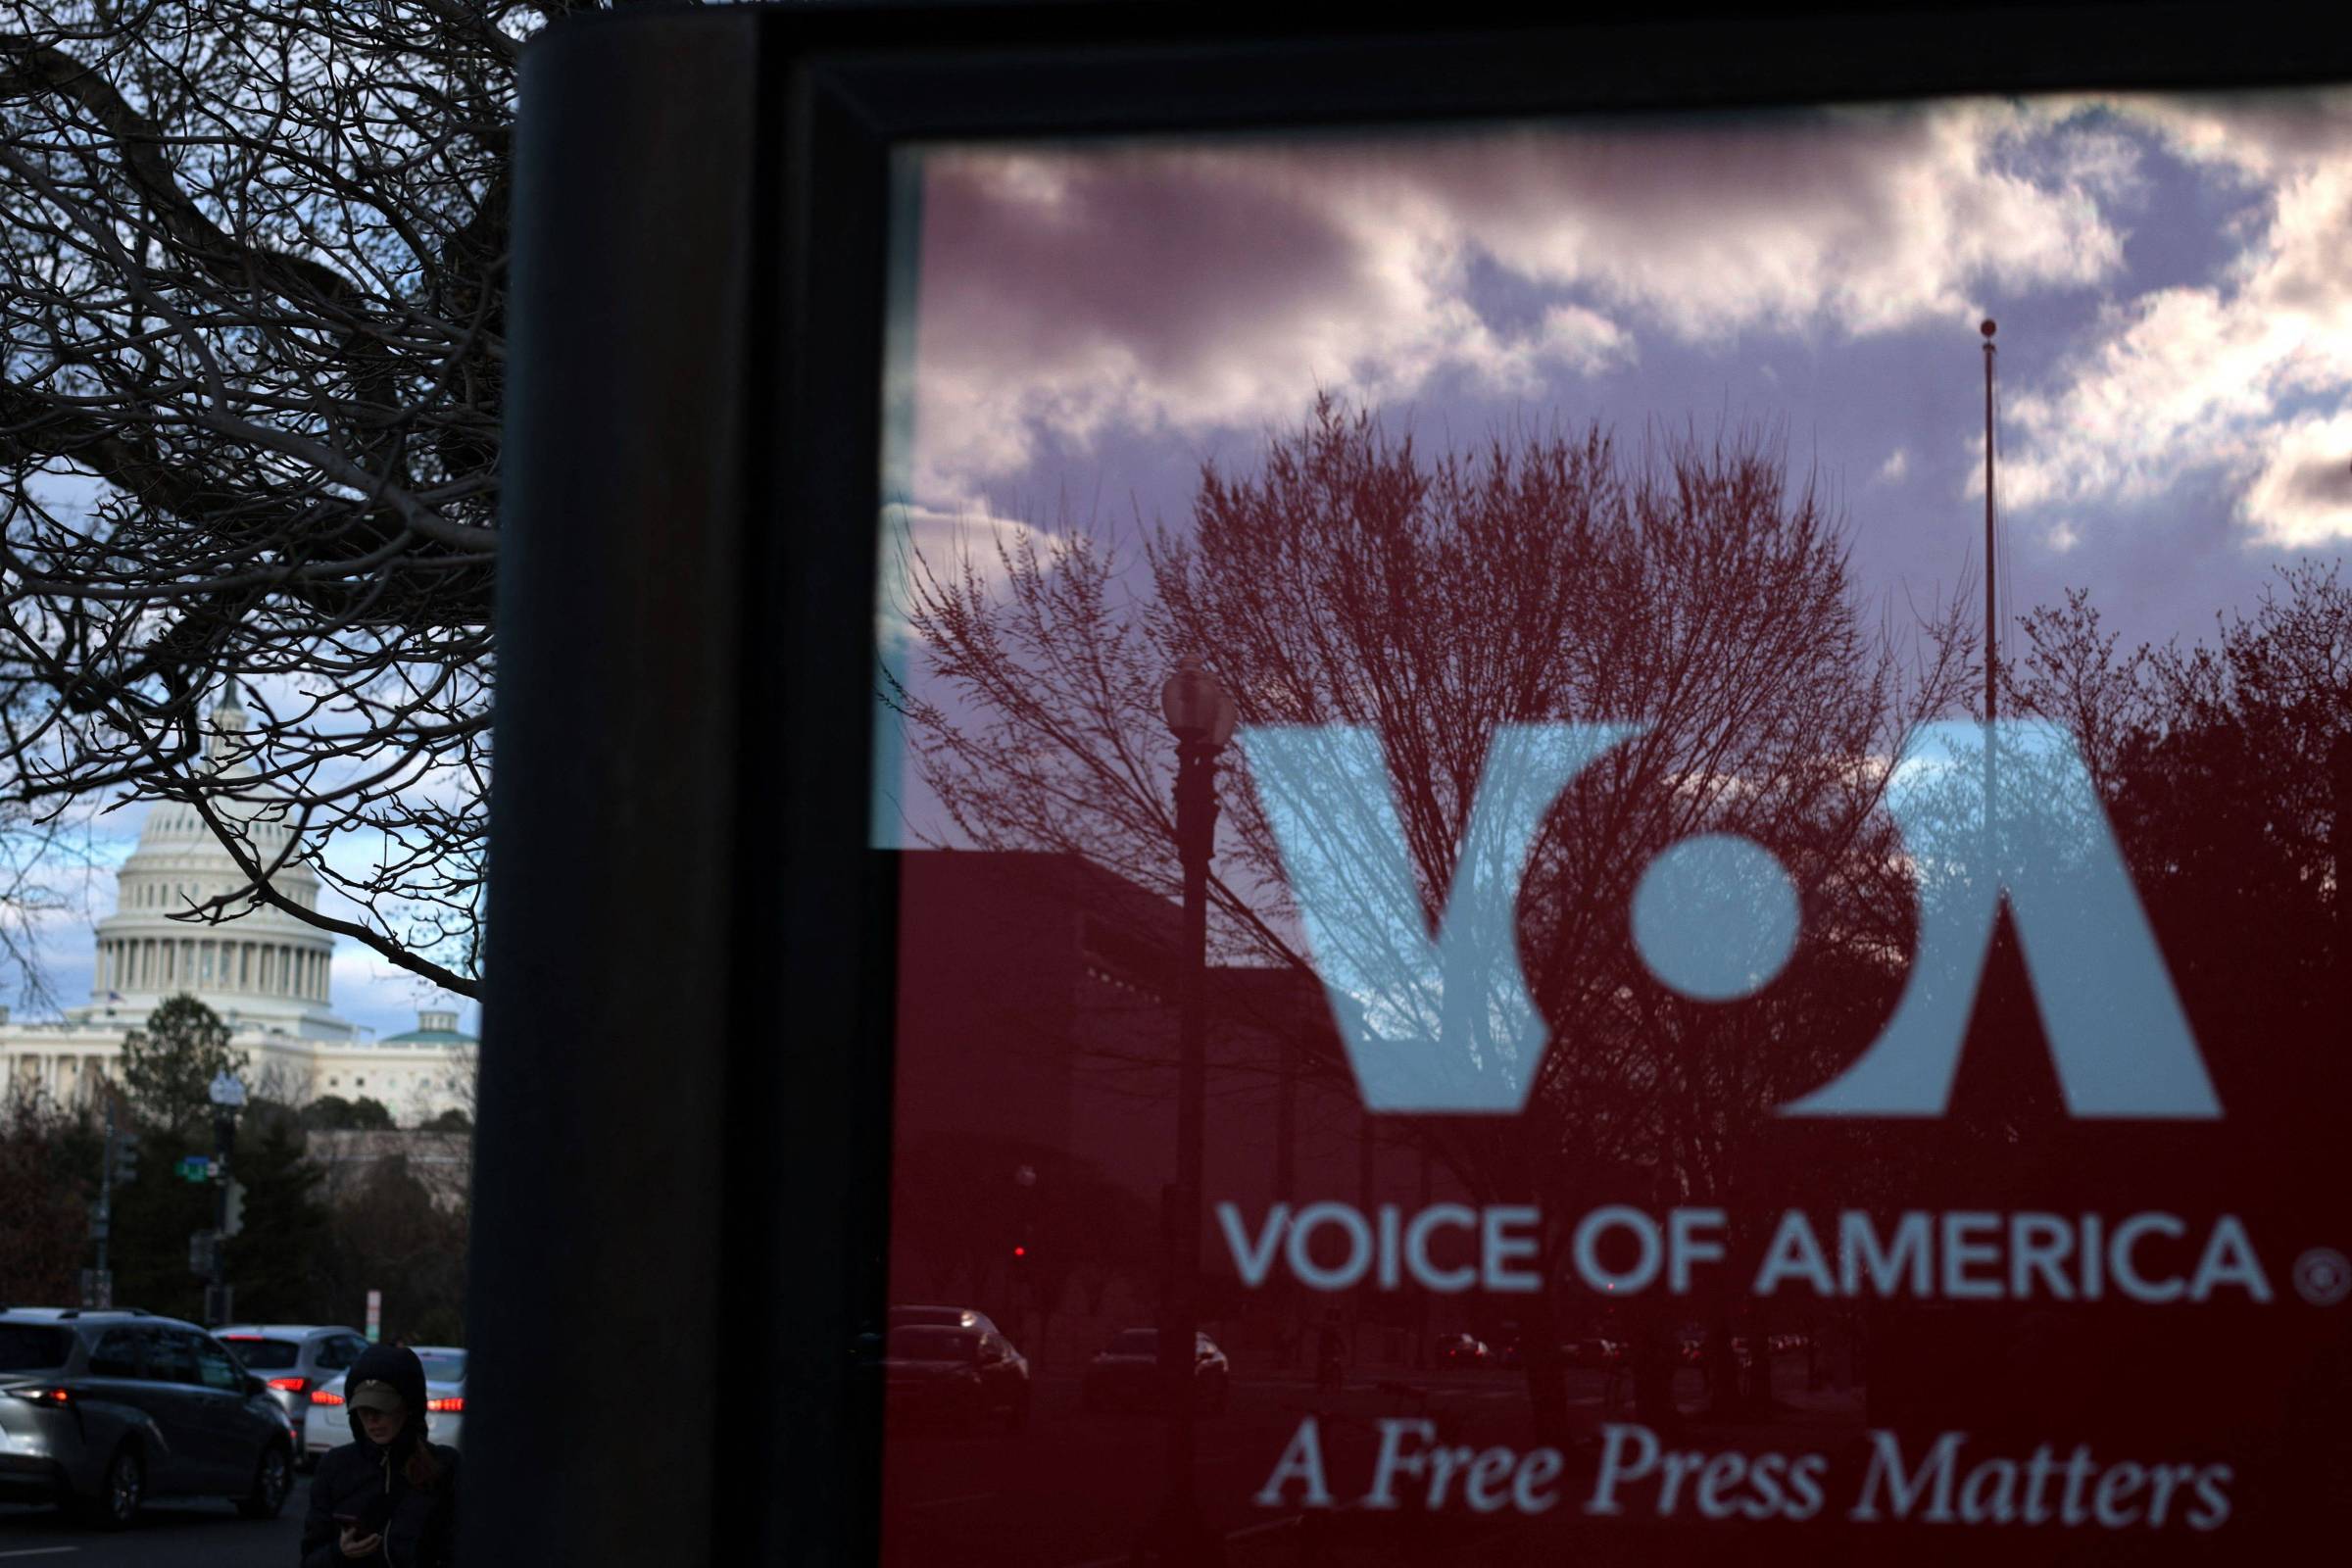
(2169, 274)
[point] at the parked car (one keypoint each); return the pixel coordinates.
(936, 1375)
(946, 1317)
(1125, 1373)
(101, 1410)
(1592, 1352)
(1460, 1350)
(296, 1360)
(329, 1424)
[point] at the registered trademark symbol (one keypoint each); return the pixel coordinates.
(2323, 1276)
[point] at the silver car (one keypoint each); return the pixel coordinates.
(101, 1409)
(296, 1360)
(329, 1424)
(946, 1317)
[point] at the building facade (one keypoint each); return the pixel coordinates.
(1035, 1074)
(267, 974)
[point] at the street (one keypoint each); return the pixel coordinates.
(199, 1532)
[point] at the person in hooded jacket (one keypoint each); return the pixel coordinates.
(389, 1499)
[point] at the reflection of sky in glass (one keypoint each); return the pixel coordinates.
(1076, 328)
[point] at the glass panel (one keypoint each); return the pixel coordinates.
(214, 1367)
(119, 1354)
(171, 1358)
(1572, 885)
(264, 1355)
(33, 1348)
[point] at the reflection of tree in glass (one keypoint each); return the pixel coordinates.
(2225, 769)
(1431, 602)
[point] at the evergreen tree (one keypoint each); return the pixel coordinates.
(282, 1260)
(169, 1066)
(335, 1114)
(154, 1216)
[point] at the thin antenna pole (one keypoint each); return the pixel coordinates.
(1991, 567)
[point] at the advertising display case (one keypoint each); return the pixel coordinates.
(1498, 794)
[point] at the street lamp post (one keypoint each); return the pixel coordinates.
(1024, 1290)
(1201, 715)
(227, 1096)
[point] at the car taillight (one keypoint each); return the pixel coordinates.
(326, 1396)
(455, 1404)
(289, 1384)
(56, 1398)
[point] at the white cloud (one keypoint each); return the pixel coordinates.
(2263, 137)
(1067, 295)
(2248, 378)
(2302, 496)
(1896, 466)
(1861, 221)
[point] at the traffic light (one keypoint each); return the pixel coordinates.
(126, 1158)
(234, 1208)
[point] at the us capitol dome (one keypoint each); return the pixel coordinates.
(267, 974)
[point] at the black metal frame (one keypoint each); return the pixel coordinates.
(680, 1200)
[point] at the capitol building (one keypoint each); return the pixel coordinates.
(265, 972)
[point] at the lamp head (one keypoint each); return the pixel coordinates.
(1197, 705)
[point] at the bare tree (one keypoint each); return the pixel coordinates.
(1351, 582)
(2241, 731)
(252, 324)
(38, 852)
(48, 1175)
(1354, 583)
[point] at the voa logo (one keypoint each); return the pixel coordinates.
(1446, 1025)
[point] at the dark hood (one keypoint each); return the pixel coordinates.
(397, 1365)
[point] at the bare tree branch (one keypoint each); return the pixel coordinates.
(251, 361)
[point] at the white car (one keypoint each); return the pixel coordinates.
(328, 1423)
